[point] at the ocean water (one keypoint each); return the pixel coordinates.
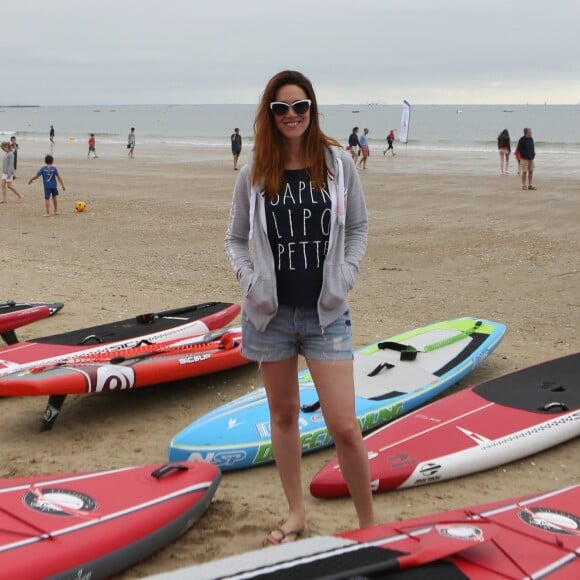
(556, 128)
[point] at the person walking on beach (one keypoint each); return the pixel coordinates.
(8, 171)
(236, 140)
(308, 244)
(51, 138)
(92, 146)
(49, 174)
(15, 148)
(131, 143)
(504, 147)
(364, 149)
(390, 140)
(354, 144)
(527, 151)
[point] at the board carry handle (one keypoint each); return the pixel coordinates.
(409, 352)
(553, 405)
(151, 316)
(441, 541)
(168, 469)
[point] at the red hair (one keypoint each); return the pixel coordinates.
(268, 160)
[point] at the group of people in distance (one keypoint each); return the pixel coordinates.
(358, 145)
(525, 154)
(48, 172)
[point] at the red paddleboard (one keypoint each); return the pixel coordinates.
(13, 315)
(496, 422)
(535, 536)
(165, 346)
(539, 537)
(95, 524)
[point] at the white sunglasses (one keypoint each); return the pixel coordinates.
(299, 107)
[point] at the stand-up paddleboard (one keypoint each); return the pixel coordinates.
(102, 358)
(13, 315)
(535, 536)
(496, 422)
(392, 377)
(96, 524)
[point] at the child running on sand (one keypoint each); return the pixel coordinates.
(49, 175)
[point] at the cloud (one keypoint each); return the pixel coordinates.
(186, 51)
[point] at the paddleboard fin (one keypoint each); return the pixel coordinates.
(9, 337)
(52, 411)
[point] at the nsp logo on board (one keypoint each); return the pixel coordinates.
(219, 458)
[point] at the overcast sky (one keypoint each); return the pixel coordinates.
(354, 51)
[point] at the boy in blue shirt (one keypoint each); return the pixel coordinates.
(49, 175)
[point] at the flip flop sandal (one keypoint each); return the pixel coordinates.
(295, 534)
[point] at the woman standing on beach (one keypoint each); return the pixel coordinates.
(504, 148)
(308, 243)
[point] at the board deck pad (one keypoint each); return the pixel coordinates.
(550, 387)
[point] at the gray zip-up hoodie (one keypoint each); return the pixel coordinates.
(347, 244)
(8, 164)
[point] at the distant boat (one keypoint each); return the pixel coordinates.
(458, 111)
(356, 110)
(508, 110)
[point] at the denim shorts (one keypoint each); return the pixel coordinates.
(296, 330)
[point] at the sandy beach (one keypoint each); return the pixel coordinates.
(449, 237)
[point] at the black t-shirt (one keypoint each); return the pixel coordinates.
(298, 221)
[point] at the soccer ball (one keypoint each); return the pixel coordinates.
(80, 206)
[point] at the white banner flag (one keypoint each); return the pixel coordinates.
(405, 121)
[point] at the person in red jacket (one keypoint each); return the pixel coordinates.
(390, 140)
(92, 146)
